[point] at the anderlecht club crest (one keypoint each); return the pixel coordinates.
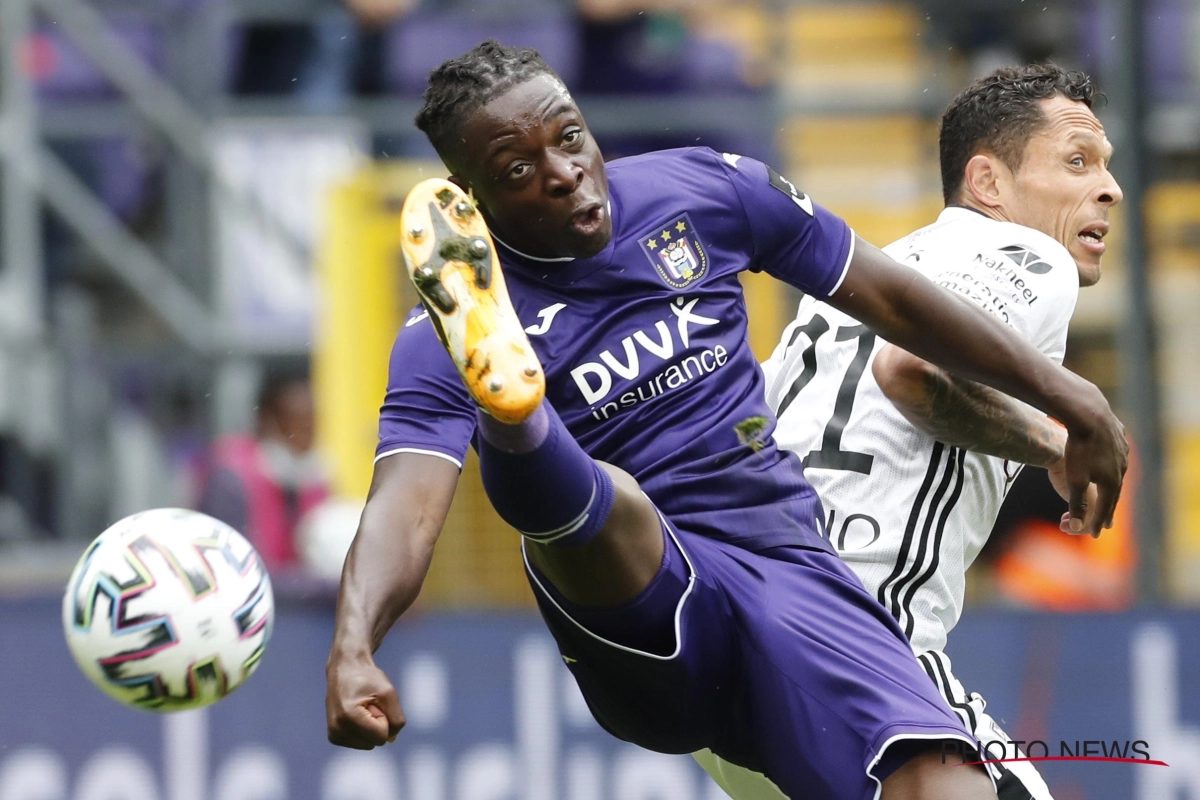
(676, 253)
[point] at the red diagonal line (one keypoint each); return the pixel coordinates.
(1068, 758)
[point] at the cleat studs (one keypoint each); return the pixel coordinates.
(416, 233)
(479, 248)
(463, 209)
(531, 372)
(495, 385)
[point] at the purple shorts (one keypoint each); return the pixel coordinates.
(778, 661)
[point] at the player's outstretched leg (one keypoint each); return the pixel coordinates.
(589, 527)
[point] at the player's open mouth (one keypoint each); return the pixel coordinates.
(589, 221)
(1093, 237)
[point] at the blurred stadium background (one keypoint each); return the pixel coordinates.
(197, 225)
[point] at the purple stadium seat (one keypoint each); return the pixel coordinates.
(1167, 46)
(714, 67)
(117, 169)
(419, 43)
(62, 72)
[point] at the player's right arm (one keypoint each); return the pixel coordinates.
(912, 312)
(966, 414)
(407, 505)
(425, 427)
(974, 417)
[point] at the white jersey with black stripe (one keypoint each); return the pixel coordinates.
(910, 514)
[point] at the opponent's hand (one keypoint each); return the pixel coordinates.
(362, 709)
(1058, 479)
(1095, 459)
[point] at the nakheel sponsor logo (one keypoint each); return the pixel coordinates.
(1020, 288)
(999, 751)
(640, 357)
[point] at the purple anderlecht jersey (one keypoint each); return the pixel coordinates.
(645, 349)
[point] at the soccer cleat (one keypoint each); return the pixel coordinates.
(452, 261)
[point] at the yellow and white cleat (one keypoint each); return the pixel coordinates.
(452, 261)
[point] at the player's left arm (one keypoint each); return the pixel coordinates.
(966, 414)
(911, 312)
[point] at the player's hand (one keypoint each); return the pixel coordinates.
(1095, 459)
(362, 708)
(1058, 479)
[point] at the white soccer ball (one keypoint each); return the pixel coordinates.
(168, 609)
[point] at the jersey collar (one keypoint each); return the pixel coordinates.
(528, 257)
(955, 211)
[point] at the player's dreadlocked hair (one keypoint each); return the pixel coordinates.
(999, 113)
(462, 85)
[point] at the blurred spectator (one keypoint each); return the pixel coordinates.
(271, 56)
(323, 62)
(373, 18)
(378, 13)
(264, 485)
(633, 47)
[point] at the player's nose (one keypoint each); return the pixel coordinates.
(563, 175)
(1109, 192)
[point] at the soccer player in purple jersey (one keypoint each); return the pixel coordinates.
(676, 554)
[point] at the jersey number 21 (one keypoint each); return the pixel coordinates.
(831, 455)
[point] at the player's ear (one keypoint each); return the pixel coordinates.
(983, 180)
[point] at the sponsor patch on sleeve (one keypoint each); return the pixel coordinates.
(787, 187)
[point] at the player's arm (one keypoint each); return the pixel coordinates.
(407, 505)
(911, 312)
(973, 416)
(384, 570)
(966, 414)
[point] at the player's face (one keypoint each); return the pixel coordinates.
(1063, 187)
(537, 172)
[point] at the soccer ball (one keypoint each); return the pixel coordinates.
(168, 609)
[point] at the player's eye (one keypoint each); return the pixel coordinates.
(519, 170)
(573, 136)
(1076, 161)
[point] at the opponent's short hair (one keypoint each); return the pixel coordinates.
(460, 86)
(999, 113)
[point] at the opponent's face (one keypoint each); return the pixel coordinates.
(537, 172)
(1063, 187)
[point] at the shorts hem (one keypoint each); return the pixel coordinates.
(539, 588)
(910, 731)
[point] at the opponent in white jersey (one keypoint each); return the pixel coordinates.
(911, 463)
(910, 513)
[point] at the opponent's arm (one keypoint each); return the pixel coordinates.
(406, 507)
(910, 311)
(966, 414)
